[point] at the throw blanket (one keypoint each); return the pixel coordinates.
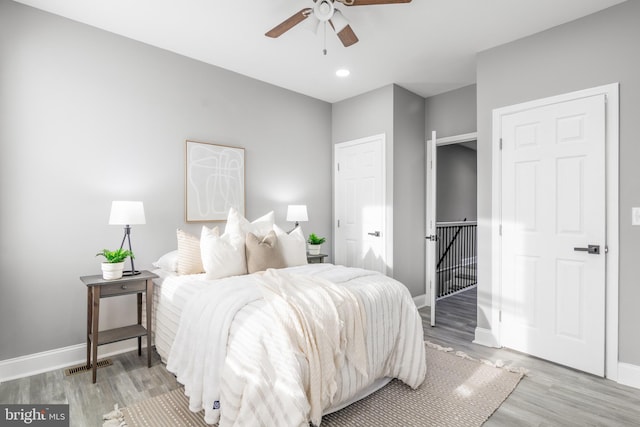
(324, 322)
(279, 348)
(199, 349)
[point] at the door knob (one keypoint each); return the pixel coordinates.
(374, 234)
(592, 249)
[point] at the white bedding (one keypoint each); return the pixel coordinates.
(247, 374)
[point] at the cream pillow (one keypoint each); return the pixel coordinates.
(189, 260)
(263, 253)
(222, 256)
(293, 246)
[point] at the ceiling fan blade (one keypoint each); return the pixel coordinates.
(370, 2)
(347, 36)
(289, 23)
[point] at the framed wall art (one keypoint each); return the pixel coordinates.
(214, 181)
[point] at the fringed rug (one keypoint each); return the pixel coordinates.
(458, 391)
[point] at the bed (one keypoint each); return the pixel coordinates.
(285, 346)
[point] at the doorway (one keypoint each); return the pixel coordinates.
(451, 213)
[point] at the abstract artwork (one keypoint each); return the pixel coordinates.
(214, 181)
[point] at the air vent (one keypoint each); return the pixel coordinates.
(83, 368)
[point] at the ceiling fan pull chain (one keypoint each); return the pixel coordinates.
(324, 50)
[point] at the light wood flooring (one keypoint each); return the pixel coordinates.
(551, 395)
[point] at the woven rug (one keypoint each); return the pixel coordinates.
(458, 391)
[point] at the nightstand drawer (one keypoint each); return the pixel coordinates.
(122, 288)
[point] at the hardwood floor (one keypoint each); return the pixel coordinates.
(551, 395)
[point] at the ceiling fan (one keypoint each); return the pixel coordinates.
(325, 11)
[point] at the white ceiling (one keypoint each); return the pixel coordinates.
(426, 46)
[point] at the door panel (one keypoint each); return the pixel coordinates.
(359, 204)
(553, 200)
(431, 209)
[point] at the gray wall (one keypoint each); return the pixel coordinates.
(409, 189)
(399, 114)
(457, 190)
(596, 50)
(449, 114)
(87, 117)
(452, 113)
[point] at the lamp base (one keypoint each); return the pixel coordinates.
(130, 273)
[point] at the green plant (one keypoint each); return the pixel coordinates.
(315, 240)
(119, 255)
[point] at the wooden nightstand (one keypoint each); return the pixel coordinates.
(98, 288)
(316, 259)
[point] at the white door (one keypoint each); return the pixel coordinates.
(360, 204)
(553, 211)
(432, 247)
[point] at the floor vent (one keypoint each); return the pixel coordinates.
(83, 368)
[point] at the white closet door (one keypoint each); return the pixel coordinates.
(553, 211)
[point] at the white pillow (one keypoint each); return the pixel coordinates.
(236, 223)
(168, 261)
(222, 256)
(293, 246)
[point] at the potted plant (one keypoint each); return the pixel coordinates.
(314, 243)
(113, 266)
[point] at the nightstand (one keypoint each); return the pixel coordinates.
(316, 259)
(98, 288)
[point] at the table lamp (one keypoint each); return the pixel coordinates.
(127, 213)
(296, 213)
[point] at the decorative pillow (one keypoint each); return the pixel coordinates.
(222, 256)
(236, 223)
(293, 246)
(263, 253)
(189, 260)
(168, 262)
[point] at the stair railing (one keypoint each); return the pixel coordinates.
(457, 257)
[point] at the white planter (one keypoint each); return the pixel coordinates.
(112, 271)
(313, 249)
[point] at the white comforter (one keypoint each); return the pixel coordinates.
(279, 348)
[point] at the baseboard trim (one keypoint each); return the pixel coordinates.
(486, 338)
(629, 374)
(37, 363)
(421, 301)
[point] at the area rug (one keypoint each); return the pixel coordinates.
(458, 391)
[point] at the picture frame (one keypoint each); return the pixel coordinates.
(214, 181)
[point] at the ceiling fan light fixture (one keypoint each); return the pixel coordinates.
(343, 72)
(323, 10)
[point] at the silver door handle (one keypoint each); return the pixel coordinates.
(375, 234)
(433, 238)
(592, 249)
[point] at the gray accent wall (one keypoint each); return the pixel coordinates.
(399, 114)
(87, 117)
(592, 51)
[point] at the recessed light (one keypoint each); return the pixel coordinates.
(342, 72)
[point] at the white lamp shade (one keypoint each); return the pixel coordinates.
(126, 213)
(297, 213)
